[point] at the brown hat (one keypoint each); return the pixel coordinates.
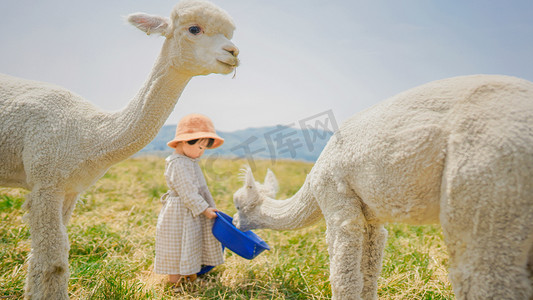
(195, 126)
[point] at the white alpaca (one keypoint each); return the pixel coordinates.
(56, 144)
(458, 151)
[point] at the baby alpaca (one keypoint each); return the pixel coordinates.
(457, 151)
(56, 144)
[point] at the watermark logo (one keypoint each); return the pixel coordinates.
(283, 141)
(315, 125)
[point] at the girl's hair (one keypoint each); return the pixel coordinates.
(209, 143)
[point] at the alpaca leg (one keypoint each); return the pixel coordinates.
(48, 263)
(489, 242)
(530, 269)
(487, 213)
(345, 238)
(68, 207)
(490, 270)
(374, 244)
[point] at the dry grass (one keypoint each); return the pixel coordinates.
(112, 244)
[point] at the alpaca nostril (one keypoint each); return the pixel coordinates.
(232, 50)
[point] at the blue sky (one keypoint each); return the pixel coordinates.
(299, 58)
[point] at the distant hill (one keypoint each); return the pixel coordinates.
(274, 142)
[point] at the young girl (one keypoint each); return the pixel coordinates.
(184, 241)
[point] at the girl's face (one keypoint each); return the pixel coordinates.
(192, 151)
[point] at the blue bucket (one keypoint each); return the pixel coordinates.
(246, 244)
(205, 269)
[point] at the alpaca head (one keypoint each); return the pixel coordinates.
(248, 199)
(198, 37)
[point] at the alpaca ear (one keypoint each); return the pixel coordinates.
(271, 183)
(150, 24)
(249, 180)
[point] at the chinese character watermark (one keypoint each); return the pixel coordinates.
(284, 141)
(325, 121)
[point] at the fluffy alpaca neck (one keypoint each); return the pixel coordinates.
(129, 130)
(300, 210)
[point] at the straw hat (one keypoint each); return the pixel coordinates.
(195, 126)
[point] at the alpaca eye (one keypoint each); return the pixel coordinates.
(195, 30)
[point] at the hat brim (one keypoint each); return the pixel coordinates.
(218, 141)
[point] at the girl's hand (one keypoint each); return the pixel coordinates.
(210, 213)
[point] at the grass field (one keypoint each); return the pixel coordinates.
(112, 244)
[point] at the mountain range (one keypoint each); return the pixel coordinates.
(273, 142)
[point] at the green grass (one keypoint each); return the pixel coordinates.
(112, 236)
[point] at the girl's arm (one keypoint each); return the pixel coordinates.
(180, 180)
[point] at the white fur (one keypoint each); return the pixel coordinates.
(56, 144)
(457, 151)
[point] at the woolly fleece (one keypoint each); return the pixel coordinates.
(56, 144)
(458, 151)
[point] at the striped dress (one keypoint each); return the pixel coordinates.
(184, 241)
